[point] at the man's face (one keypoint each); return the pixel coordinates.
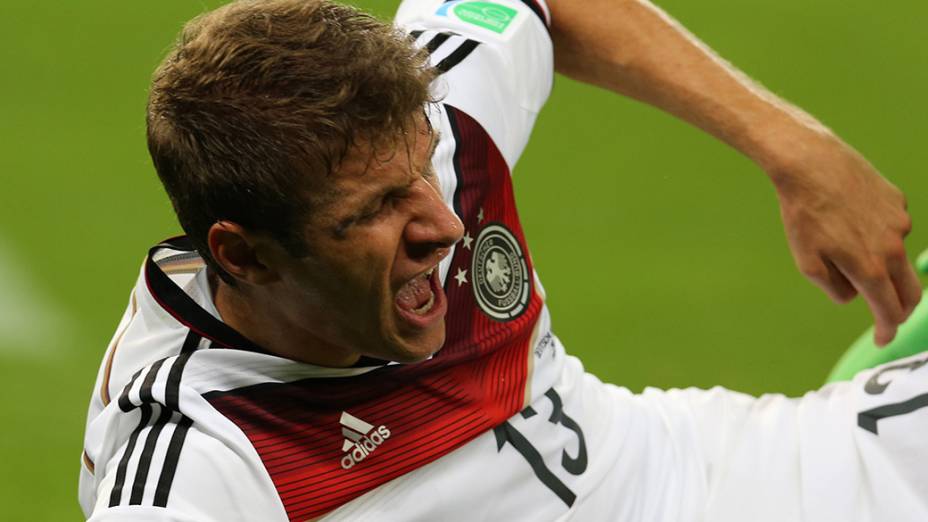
(370, 284)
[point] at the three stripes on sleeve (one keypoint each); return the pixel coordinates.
(170, 427)
(460, 47)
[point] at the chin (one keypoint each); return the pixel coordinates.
(418, 348)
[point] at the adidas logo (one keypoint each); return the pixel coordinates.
(361, 439)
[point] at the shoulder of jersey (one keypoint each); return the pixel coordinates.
(494, 59)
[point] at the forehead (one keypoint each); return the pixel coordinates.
(370, 162)
(372, 166)
(382, 151)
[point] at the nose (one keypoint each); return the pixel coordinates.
(434, 228)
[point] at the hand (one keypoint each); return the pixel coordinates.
(845, 225)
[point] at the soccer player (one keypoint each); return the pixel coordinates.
(352, 328)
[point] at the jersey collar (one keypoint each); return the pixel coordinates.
(186, 311)
(183, 308)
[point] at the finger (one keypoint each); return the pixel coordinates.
(839, 288)
(826, 276)
(906, 225)
(908, 287)
(878, 290)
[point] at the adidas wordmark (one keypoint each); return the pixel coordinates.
(361, 439)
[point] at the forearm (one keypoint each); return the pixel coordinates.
(633, 48)
(845, 224)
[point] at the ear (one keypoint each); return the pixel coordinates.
(236, 250)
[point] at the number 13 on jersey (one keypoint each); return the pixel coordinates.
(506, 433)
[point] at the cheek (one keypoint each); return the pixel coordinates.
(366, 264)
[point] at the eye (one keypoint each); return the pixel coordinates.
(370, 214)
(384, 204)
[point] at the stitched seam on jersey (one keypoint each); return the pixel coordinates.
(88, 463)
(530, 362)
(105, 385)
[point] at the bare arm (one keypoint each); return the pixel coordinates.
(844, 222)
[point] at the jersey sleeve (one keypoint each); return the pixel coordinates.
(494, 59)
(187, 475)
(854, 450)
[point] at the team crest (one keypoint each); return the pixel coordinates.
(501, 281)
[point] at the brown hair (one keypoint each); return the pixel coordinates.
(259, 100)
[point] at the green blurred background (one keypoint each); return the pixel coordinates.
(661, 249)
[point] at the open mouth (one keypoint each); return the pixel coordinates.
(421, 299)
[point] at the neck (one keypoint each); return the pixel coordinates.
(260, 317)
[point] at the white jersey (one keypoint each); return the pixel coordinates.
(191, 421)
